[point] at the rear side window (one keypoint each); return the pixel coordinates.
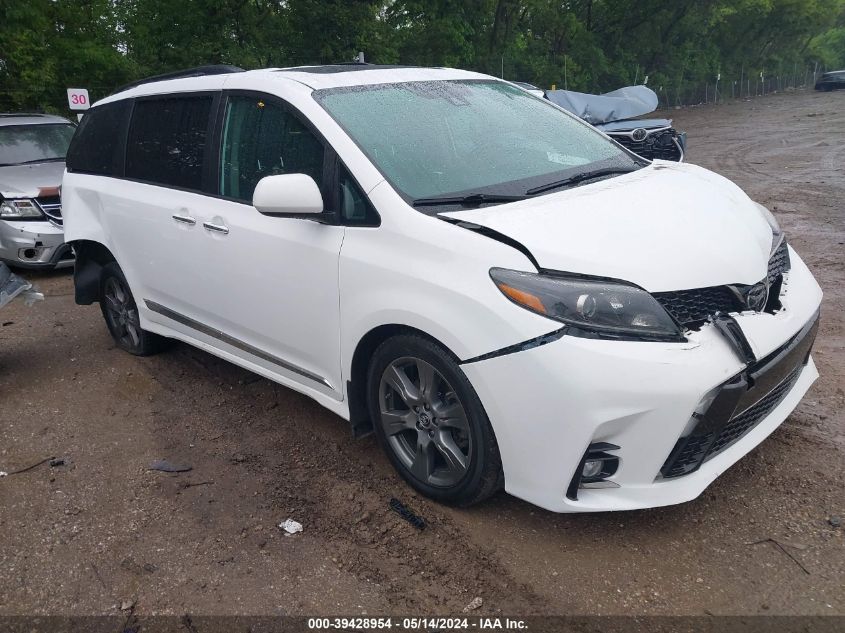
(96, 147)
(167, 141)
(261, 139)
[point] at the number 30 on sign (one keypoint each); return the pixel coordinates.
(77, 99)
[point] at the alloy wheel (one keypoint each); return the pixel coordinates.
(122, 313)
(425, 424)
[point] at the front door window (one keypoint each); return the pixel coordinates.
(261, 138)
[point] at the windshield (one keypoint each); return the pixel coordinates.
(451, 138)
(21, 144)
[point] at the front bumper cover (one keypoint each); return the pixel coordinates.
(549, 403)
(741, 403)
(34, 245)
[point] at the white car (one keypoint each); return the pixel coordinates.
(504, 295)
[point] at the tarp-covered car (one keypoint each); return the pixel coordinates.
(614, 114)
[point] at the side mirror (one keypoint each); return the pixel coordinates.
(292, 195)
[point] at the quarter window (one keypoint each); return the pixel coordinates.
(261, 139)
(167, 139)
(97, 146)
(355, 208)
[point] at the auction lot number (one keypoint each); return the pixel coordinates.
(409, 624)
(416, 624)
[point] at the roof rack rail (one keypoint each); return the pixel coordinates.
(22, 114)
(199, 71)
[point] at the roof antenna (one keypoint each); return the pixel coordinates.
(359, 58)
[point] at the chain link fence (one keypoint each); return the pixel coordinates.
(742, 86)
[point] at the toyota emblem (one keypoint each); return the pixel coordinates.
(757, 296)
(639, 134)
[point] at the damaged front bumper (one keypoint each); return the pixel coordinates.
(552, 404)
(27, 244)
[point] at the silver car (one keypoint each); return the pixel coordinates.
(32, 160)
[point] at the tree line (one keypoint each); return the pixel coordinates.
(589, 45)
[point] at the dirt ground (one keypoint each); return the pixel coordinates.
(102, 530)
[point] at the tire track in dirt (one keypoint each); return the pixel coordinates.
(343, 487)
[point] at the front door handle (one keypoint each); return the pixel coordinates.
(216, 228)
(184, 219)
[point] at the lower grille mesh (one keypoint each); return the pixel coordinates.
(748, 419)
(689, 458)
(700, 448)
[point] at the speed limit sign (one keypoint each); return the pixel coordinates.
(77, 99)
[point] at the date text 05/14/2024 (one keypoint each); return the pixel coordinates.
(417, 623)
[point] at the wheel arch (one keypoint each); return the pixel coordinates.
(91, 256)
(356, 384)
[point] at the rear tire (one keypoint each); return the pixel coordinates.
(431, 423)
(121, 314)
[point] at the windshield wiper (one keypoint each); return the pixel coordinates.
(477, 199)
(471, 200)
(54, 159)
(572, 180)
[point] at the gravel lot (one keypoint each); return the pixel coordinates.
(102, 530)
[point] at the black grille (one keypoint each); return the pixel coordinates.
(659, 145)
(742, 403)
(689, 458)
(52, 208)
(700, 448)
(748, 419)
(691, 308)
(779, 262)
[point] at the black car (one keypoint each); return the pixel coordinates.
(831, 81)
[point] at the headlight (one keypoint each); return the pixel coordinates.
(19, 210)
(594, 307)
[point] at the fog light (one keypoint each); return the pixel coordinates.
(595, 467)
(592, 468)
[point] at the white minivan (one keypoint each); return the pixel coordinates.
(504, 295)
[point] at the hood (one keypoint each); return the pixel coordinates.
(25, 181)
(625, 103)
(668, 226)
(632, 124)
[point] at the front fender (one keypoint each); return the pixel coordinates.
(421, 272)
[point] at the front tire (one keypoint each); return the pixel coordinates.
(430, 422)
(121, 314)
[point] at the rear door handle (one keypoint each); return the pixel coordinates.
(184, 219)
(216, 228)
